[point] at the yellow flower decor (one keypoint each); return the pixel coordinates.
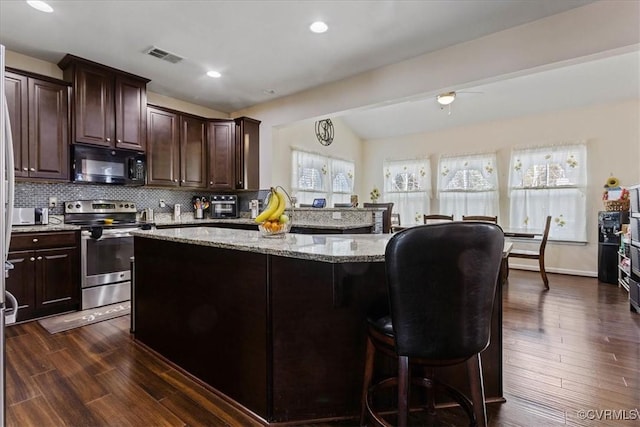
(375, 194)
(612, 182)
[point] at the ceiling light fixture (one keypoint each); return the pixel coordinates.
(318, 27)
(40, 5)
(446, 98)
(214, 74)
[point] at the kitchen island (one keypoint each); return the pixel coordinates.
(275, 325)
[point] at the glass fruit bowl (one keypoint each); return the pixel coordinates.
(274, 228)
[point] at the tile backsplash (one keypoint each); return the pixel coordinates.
(34, 194)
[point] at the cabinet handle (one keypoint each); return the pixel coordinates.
(35, 240)
(210, 182)
(175, 180)
(119, 140)
(32, 169)
(39, 258)
(32, 259)
(25, 169)
(108, 139)
(183, 180)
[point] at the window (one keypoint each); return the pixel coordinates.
(407, 184)
(316, 176)
(468, 185)
(550, 181)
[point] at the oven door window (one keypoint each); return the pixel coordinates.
(108, 255)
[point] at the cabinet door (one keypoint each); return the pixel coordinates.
(21, 282)
(130, 113)
(48, 130)
(162, 148)
(193, 152)
(247, 153)
(93, 101)
(221, 155)
(15, 86)
(56, 279)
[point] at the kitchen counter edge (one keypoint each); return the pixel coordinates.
(331, 248)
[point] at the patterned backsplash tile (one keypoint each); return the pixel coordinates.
(34, 194)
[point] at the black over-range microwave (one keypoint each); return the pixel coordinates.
(98, 165)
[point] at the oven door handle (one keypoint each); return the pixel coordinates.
(108, 235)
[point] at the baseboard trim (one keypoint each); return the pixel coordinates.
(568, 271)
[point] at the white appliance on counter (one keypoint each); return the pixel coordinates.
(7, 176)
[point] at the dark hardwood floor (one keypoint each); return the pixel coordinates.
(573, 348)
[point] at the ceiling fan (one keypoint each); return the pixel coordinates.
(445, 99)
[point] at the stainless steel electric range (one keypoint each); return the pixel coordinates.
(106, 248)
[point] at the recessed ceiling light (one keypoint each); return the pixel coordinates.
(318, 27)
(214, 74)
(40, 5)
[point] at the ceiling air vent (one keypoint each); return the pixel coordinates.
(164, 55)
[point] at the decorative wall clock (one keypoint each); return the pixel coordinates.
(324, 131)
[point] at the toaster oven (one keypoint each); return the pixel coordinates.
(223, 206)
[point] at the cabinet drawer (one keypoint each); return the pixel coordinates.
(26, 241)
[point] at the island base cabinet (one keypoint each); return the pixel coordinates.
(282, 337)
(204, 309)
(319, 335)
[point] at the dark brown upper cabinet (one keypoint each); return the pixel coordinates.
(247, 156)
(176, 149)
(39, 115)
(109, 105)
(222, 152)
(193, 152)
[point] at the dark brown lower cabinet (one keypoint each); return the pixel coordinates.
(284, 338)
(45, 277)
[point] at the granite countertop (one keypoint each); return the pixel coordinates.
(56, 223)
(188, 219)
(332, 248)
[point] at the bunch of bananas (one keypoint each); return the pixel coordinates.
(273, 218)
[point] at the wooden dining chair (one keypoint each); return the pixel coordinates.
(539, 254)
(436, 218)
(493, 219)
(395, 219)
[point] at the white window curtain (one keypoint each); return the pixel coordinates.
(316, 176)
(468, 185)
(341, 180)
(550, 181)
(407, 184)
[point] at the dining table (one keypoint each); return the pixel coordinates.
(522, 233)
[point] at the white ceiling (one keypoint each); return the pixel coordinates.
(262, 46)
(605, 80)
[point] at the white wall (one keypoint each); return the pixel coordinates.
(595, 30)
(612, 132)
(302, 135)
(572, 36)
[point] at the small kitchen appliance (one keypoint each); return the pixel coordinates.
(224, 206)
(97, 165)
(30, 216)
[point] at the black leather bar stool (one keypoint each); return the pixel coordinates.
(441, 280)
